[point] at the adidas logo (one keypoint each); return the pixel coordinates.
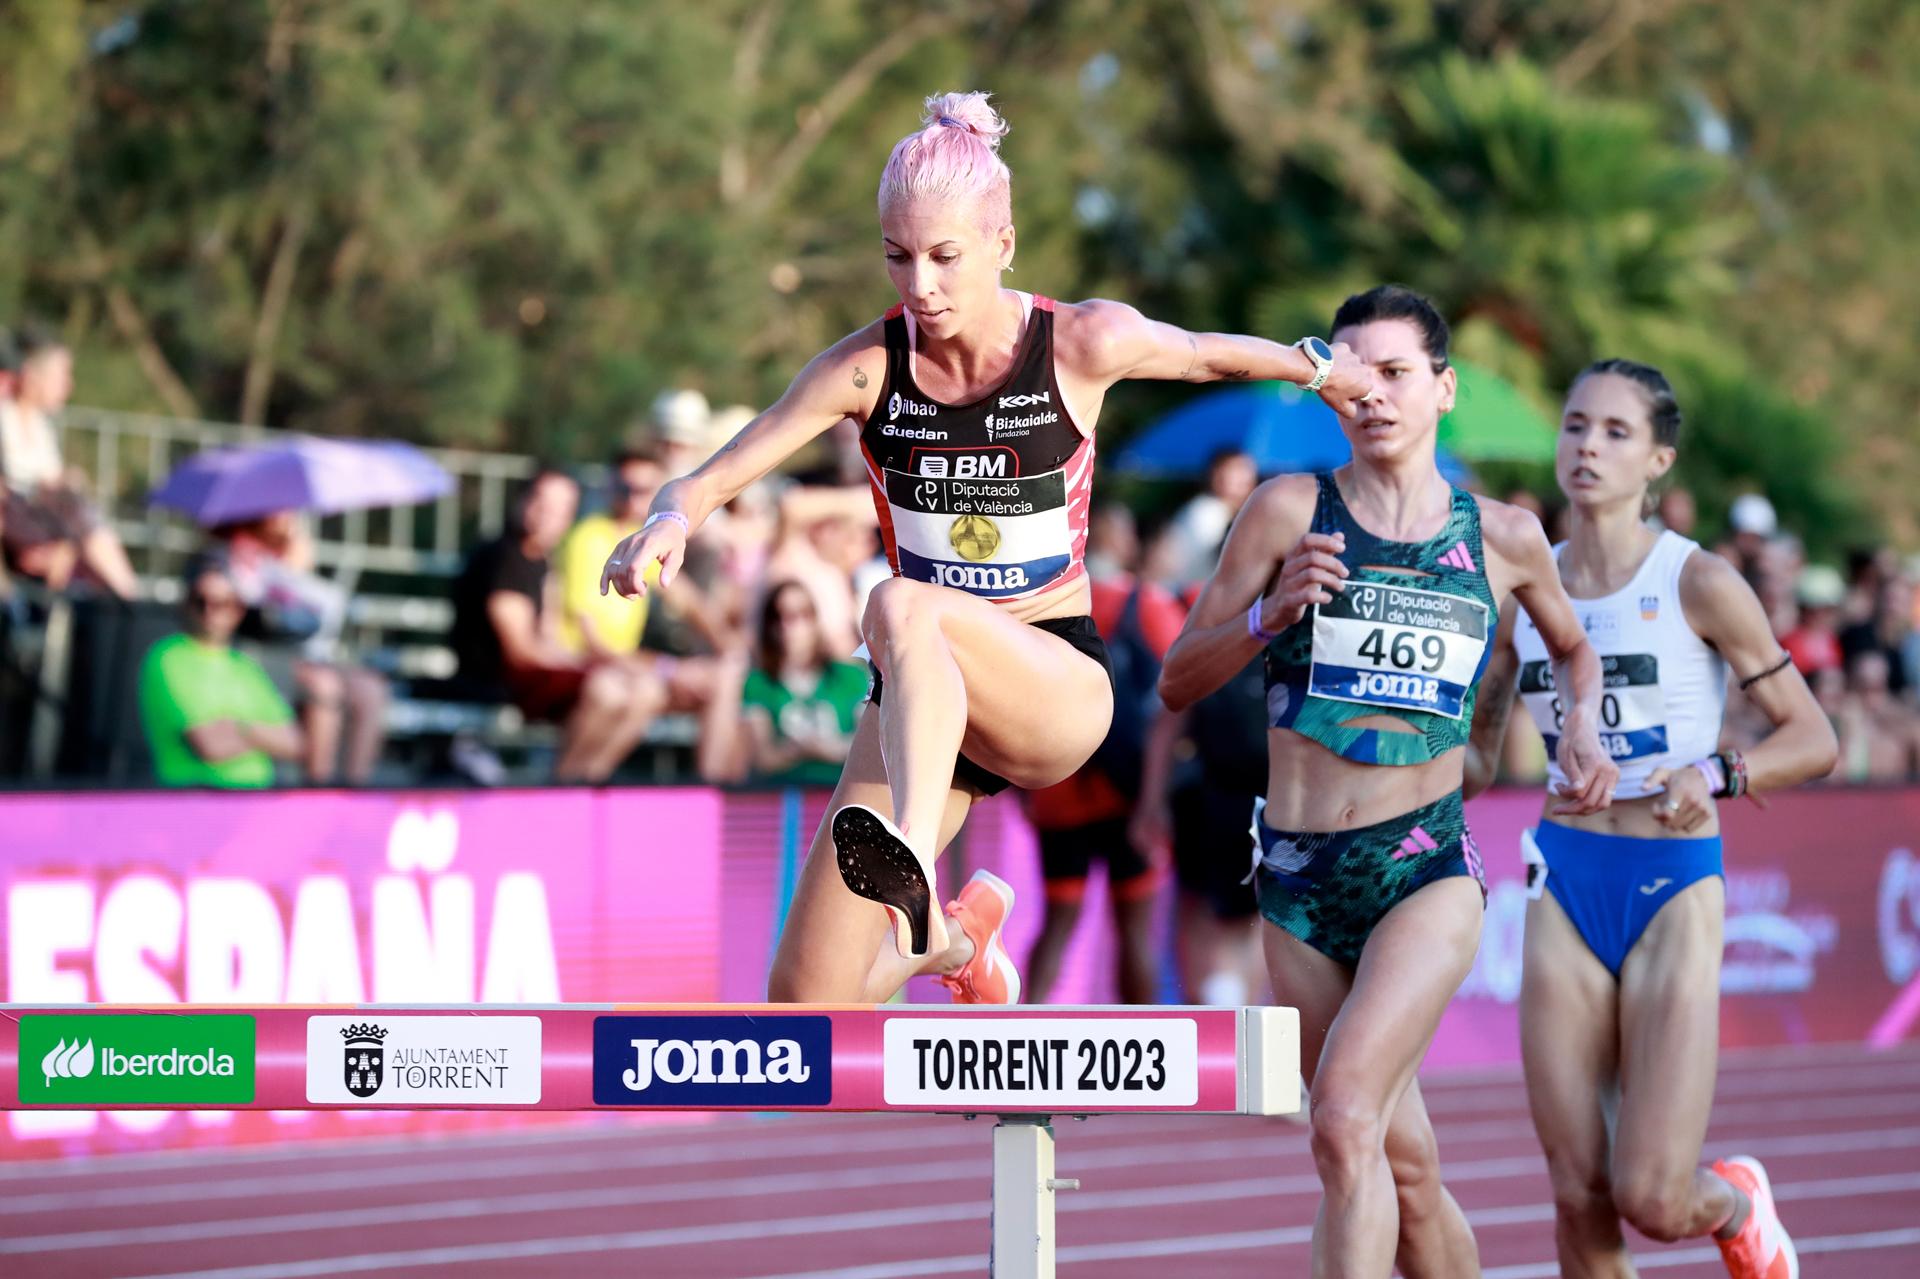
(68, 1061)
(1459, 557)
(1417, 842)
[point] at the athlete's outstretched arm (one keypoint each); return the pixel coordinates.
(832, 386)
(1116, 342)
(1590, 770)
(1266, 559)
(1724, 611)
(1492, 708)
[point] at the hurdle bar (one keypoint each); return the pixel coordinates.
(1023, 1065)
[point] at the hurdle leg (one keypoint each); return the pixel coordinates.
(1023, 1189)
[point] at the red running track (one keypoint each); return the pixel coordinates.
(875, 1197)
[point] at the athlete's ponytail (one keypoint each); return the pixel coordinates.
(953, 158)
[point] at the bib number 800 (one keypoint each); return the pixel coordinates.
(1399, 652)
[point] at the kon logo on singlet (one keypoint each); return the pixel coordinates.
(710, 1061)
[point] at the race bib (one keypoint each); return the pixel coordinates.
(1633, 712)
(1398, 648)
(988, 535)
(1536, 864)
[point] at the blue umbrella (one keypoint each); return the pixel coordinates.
(301, 473)
(1279, 425)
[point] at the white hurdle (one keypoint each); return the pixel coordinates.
(1026, 1066)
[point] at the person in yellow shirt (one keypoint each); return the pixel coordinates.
(599, 628)
(592, 624)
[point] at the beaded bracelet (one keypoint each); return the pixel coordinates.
(1734, 766)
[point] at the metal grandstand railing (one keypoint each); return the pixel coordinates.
(127, 454)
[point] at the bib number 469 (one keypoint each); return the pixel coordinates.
(1399, 651)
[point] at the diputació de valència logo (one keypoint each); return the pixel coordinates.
(107, 1059)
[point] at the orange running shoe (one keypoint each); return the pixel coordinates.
(877, 863)
(1761, 1250)
(981, 911)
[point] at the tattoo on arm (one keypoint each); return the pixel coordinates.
(859, 378)
(1193, 357)
(1236, 375)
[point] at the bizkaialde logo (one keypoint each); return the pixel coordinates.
(426, 1060)
(711, 1061)
(146, 1059)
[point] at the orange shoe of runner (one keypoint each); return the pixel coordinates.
(981, 911)
(1761, 1250)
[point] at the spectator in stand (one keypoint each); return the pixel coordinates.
(1814, 642)
(1199, 528)
(1886, 627)
(1086, 818)
(801, 702)
(52, 530)
(299, 615)
(601, 628)
(592, 625)
(212, 717)
(504, 635)
(824, 537)
(1879, 736)
(1678, 511)
(681, 422)
(1752, 524)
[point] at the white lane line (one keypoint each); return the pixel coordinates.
(1819, 1244)
(905, 1135)
(596, 1127)
(740, 1138)
(1082, 1202)
(1266, 1141)
(1247, 1240)
(1497, 1095)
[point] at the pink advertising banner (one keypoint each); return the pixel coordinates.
(676, 896)
(319, 897)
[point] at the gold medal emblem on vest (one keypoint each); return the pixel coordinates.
(974, 537)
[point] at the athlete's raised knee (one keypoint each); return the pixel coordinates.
(897, 609)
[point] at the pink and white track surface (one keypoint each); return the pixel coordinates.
(880, 1196)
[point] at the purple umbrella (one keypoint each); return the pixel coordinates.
(302, 473)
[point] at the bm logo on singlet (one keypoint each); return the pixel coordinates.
(1411, 688)
(713, 1061)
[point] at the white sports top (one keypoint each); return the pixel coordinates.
(1665, 688)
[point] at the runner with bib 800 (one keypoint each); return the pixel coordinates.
(1620, 987)
(1375, 592)
(976, 405)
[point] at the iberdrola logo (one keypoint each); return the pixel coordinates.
(184, 1059)
(68, 1061)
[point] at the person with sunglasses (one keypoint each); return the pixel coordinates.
(212, 716)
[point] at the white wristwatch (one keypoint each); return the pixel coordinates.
(1322, 356)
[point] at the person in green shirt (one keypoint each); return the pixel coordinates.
(211, 715)
(800, 705)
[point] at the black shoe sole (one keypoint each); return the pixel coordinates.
(876, 865)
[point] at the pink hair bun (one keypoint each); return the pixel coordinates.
(953, 159)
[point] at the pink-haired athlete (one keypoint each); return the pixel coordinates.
(976, 406)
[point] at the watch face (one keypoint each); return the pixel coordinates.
(1317, 349)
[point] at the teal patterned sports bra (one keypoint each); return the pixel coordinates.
(1410, 644)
